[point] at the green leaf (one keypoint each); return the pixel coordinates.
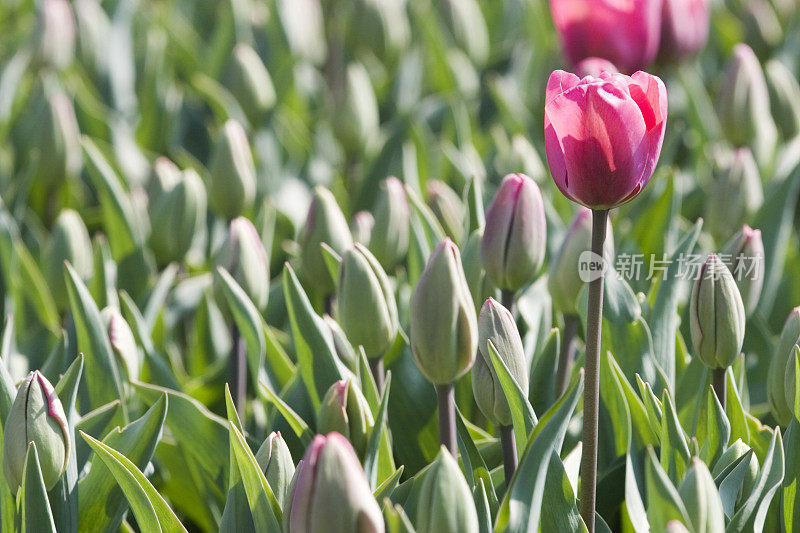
(316, 355)
(542, 383)
(663, 501)
(296, 422)
(35, 512)
(735, 412)
(264, 506)
(386, 488)
(482, 506)
(791, 497)
(95, 423)
(752, 514)
(714, 434)
(102, 375)
(372, 454)
(675, 455)
(475, 468)
(332, 261)
(151, 511)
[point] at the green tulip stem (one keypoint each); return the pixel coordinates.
(591, 391)
(566, 354)
(509, 447)
(719, 384)
(376, 365)
(507, 300)
(447, 417)
(239, 370)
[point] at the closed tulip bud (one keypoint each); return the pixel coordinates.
(391, 234)
(736, 194)
(359, 121)
(730, 456)
(122, 342)
(55, 33)
(275, 460)
(448, 208)
(444, 329)
(69, 241)
(776, 377)
(345, 410)
(480, 286)
(603, 135)
(366, 306)
(232, 187)
(56, 140)
(594, 66)
(36, 416)
(445, 502)
(244, 257)
(344, 350)
(513, 244)
(744, 256)
(496, 324)
(784, 97)
(790, 379)
(716, 315)
(330, 492)
(361, 227)
(325, 224)
(684, 28)
(564, 281)
(164, 177)
(763, 29)
(673, 526)
(250, 83)
(701, 497)
(743, 106)
(627, 34)
(176, 218)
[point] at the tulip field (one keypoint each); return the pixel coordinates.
(397, 266)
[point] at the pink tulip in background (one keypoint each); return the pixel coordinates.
(684, 28)
(625, 32)
(594, 66)
(603, 135)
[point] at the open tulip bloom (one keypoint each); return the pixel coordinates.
(603, 137)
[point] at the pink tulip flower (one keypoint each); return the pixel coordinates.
(684, 28)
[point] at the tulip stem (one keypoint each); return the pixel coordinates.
(720, 375)
(239, 370)
(509, 447)
(376, 365)
(591, 391)
(507, 299)
(567, 354)
(447, 416)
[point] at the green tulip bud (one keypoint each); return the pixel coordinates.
(232, 187)
(55, 33)
(366, 306)
(176, 217)
(480, 286)
(743, 254)
(344, 350)
(448, 208)
(445, 501)
(743, 106)
(164, 177)
(736, 194)
(250, 83)
(564, 281)
(732, 454)
(275, 460)
(496, 324)
(122, 342)
(325, 224)
(69, 241)
(361, 227)
(38, 417)
(784, 96)
(359, 122)
(781, 359)
(345, 410)
(444, 329)
(330, 493)
(244, 257)
(701, 497)
(513, 242)
(391, 234)
(56, 139)
(790, 377)
(716, 315)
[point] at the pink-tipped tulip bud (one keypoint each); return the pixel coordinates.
(625, 33)
(684, 29)
(55, 33)
(782, 358)
(243, 255)
(444, 329)
(743, 254)
(603, 135)
(123, 342)
(391, 234)
(345, 410)
(513, 244)
(594, 66)
(361, 227)
(564, 281)
(716, 315)
(496, 324)
(330, 493)
(38, 417)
